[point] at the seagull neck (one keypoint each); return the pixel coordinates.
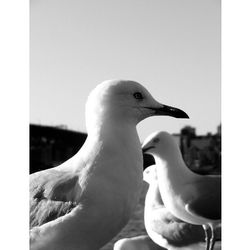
(111, 128)
(173, 166)
(107, 136)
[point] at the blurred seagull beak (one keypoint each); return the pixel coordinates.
(169, 111)
(145, 149)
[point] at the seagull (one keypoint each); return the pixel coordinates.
(165, 229)
(193, 198)
(84, 202)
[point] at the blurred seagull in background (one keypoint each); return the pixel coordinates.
(165, 229)
(193, 198)
(84, 202)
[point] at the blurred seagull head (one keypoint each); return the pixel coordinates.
(161, 144)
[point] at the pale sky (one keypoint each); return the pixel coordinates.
(172, 47)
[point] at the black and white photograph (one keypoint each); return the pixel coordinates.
(125, 125)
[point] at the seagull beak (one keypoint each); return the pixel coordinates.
(169, 111)
(145, 149)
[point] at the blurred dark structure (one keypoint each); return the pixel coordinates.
(202, 154)
(50, 146)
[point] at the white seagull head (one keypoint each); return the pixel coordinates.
(124, 100)
(161, 144)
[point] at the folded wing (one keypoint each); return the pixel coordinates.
(52, 195)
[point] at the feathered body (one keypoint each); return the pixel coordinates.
(85, 202)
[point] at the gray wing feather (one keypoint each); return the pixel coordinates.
(52, 194)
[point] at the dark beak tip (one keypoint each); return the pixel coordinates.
(172, 111)
(180, 114)
(185, 116)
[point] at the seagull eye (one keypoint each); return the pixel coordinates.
(138, 95)
(156, 140)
